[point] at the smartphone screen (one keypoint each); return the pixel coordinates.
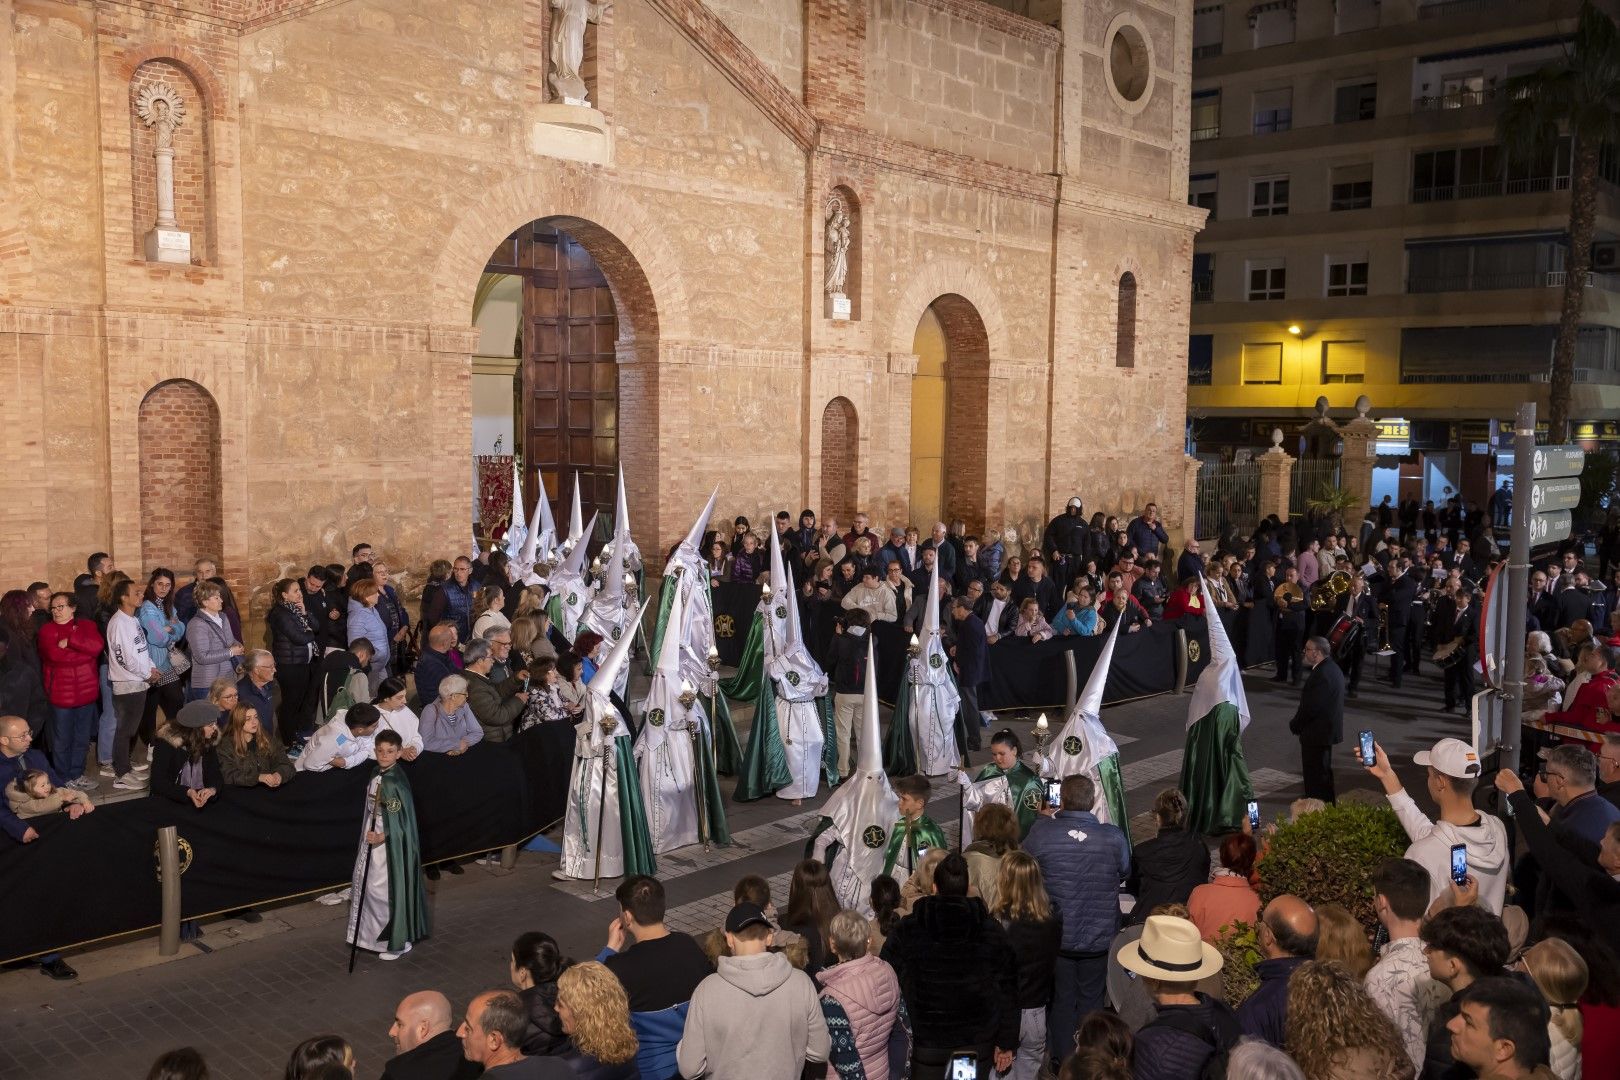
(1459, 863)
(1367, 756)
(1054, 794)
(964, 1066)
(922, 853)
(1254, 817)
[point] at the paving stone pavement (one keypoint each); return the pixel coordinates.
(247, 1005)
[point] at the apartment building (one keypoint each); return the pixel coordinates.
(1364, 236)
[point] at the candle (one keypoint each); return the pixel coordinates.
(914, 642)
(713, 651)
(1040, 723)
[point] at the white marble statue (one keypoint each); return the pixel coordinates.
(838, 238)
(161, 108)
(568, 46)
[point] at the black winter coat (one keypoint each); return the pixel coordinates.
(1166, 870)
(545, 1035)
(292, 632)
(1035, 948)
(957, 974)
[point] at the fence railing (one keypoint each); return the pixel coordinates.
(1228, 493)
(1309, 476)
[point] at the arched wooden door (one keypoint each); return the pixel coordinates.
(568, 417)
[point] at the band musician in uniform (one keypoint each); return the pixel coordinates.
(1457, 639)
(1363, 612)
(1400, 595)
(1290, 599)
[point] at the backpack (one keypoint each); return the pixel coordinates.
(1221, 1033)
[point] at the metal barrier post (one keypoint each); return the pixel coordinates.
(169, 876)
(1181, 660)
(508, 856)
(1071, 679)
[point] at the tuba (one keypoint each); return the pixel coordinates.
(1325, 593)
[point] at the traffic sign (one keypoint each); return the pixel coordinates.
(1556, 461)
(1550, 528)
(1547, 496)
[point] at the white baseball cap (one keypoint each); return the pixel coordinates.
(1452, 757)
(1075, 502)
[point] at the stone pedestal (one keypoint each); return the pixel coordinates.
(1189, 501)
(838, 307)
(571, 132)
(1276, 478)
(1360, 438)
(168, 246)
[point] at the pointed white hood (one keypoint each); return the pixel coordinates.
(574, 565)
(1222, 679)
(530, 551)
(601, 684)
(663, 694)
(787, 660)
(517, 531)
(575, 531)
(863, 808)
(689, 552)
(933, 661)
(1084, 743)
(780, 612)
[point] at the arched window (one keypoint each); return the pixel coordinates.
(179, 474)
(1125, 330)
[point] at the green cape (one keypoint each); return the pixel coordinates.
(408, 918)
(744, 686)
(727, 751)
(764, 768)
(1214, 774)
(638, 846)
(1028, 792)
(922, 833)
(899, 751)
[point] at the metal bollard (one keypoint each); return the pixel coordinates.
(508, 856)
(1071, 682)
(169, 877)
(1181, 660)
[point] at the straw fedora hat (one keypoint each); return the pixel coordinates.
(1170, 949)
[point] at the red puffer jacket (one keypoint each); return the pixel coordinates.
(70, 673)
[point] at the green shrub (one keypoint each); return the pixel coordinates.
(1239, 953)
(1329, 856)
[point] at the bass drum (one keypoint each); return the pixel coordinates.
(1345, 637)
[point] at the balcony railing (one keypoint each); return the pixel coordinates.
(1200, 134)
(1520, 186)
(1458, 7)
(1203, 289)
(1456, 99)
(1522, 279)
(1205, 52)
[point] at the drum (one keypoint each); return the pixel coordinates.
(1345, 637)
(1449, 655)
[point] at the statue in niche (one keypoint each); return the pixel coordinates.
(161, 108)
(838, 239)
(568, 46)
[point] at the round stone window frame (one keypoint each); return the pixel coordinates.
(1121, 22)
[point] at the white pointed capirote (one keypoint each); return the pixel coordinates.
(1084, 744)
(545, 553)
(797, 680)
(574, 565)
(517, 530)
(1222, 680)
(694, 535)
(601, 684)
(666, 747)
(530, 551)
(575, 532)
(862, 810)
(669, 652)
(934, 697)
(621, 510)
(780, 608)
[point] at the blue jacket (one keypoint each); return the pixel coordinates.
(431, 668)
(367, 622)
(1146, 538)
(1083, 862)
(972, 650)
(162, 634)
(260, 701)
(1265, 1014)
(10, 769)
(658, 1033)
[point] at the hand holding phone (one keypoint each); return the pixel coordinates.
(1254, 817)
(964, 1066)
(1368, 757)
(1459, 864)
(1054, 794)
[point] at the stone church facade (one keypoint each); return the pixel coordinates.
(296, 377)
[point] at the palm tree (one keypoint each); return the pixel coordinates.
(1578, 95)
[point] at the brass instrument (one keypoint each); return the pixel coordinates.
(1384, 647)
(1286, 593)
(1325, 594)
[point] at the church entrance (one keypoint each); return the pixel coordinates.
(949, 395)
(544, 295)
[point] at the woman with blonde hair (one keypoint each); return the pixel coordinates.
(595, 1012)
(1035, 933)
(1561, 975)
(1340, 937)
(1335, 1031)
(249, 755)
(921, 881)
(995, 833)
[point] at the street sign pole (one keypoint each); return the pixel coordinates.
(1518, 585)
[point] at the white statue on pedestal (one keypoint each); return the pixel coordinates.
(839, 234)
(568, 46)
(160, 107)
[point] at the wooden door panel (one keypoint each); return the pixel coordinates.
(570, 379)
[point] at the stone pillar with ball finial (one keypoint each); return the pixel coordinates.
(1276, 478)
(1360, 439)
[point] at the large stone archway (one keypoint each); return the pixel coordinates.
(649, 301)
(950, 415)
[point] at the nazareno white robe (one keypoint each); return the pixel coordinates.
(368, 902)
(586, 806)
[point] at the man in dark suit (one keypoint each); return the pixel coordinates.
(1400, 596)
(1319, 721)
(1454, 621)
(427, 1047)
(968, 658)
(1543, 605)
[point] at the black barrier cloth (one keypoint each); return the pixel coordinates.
(734, 605)
(96, 877)
(1025, 676)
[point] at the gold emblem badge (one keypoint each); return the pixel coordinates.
(655, 717)
(1072, 745)
(1193, 651)
(874, 836)
(793, 678)
(393, 805)
(725, 626)
(1032, 799)
(186, 855)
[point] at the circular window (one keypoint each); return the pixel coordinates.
(1128, 62)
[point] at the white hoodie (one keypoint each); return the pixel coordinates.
(129, 664)
(1488, 854)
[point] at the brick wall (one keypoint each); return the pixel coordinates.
(773, 30)
(840, 460)
(191, 176)
(180, 476)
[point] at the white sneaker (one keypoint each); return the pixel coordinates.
(129, 782)
(332, 899)
(107, 772)
(84, 783)
(395, 955)
(142, 769)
